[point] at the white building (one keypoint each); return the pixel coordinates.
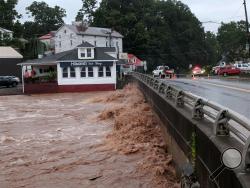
(5, 33)
(70, 36)
(84, 68)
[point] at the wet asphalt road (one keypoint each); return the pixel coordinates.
(232, 94)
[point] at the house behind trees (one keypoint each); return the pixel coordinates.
(5, 33)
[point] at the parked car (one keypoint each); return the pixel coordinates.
(163, 71)
(228, 70)
(9, 81)
(16, 78)
(242, 66)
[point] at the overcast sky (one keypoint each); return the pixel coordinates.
(71, 6)
(205, 10)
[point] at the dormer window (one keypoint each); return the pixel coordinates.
(89, 52)
(83, 54)
(86, 53)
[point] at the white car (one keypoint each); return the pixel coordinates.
(163, 71)
(242, 66)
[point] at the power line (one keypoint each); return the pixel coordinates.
(236, 13)
(228, 18)
(213, 22)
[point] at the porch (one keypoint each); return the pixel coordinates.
(39, 78)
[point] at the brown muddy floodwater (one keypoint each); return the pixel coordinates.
(82, 140)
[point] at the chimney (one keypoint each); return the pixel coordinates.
(81, 26)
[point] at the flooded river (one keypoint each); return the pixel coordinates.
(60, 141)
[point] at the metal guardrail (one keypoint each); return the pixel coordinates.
(225, 121)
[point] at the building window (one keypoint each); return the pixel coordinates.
(89, 52)
(60, 44)
(71, 42)
(100, 71)
(65, 31)
(90, 72)
(72, 72)
(108, 72)
(106, 43)
(83, 72)
(65, 72)
(83, 54)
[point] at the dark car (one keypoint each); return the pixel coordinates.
(9, 81)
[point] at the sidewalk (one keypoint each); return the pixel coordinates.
(11, 91)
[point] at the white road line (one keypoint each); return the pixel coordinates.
(229, 87)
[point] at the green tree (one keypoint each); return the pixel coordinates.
(87, 11)
(32, 29)
(161, 32)
(79, 16)
(18, 29)
(232, 40)
(213, 48)
(8, 14)
(33, 48)
(46, 18)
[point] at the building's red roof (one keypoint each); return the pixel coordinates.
(46, 37)
(132, 59)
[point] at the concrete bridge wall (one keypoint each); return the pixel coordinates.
(196, 140)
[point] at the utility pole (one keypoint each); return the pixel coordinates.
(247, 28)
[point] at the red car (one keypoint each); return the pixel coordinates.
(228, 70)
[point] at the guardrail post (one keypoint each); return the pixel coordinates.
(197, 112)
(179, 102)
(150, 82)
(246, 156)
(221, 124)
(168, 92)
(156, 84)
(159, 87)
